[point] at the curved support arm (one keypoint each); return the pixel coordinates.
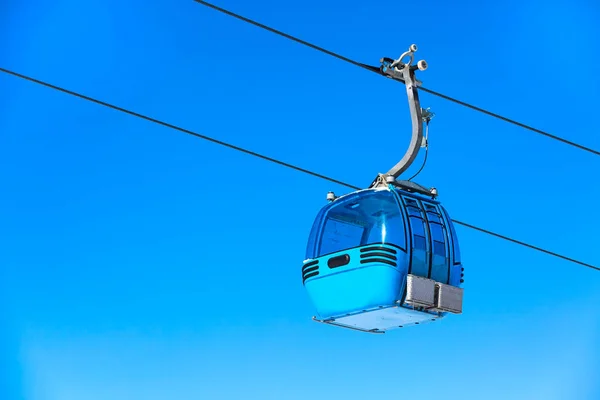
(417, 125)
(406, 72)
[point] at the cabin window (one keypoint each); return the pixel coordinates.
(438, 238)
(418, 229)
(362, 218)
(339, 234)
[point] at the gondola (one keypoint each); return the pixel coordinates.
(386, 256)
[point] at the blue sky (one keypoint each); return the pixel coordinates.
(141, 263)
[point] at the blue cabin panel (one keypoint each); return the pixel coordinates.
(356, 257)
(364, 282)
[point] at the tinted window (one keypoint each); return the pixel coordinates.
(437, 232)
(366, 217)
(338, 235)
(439, 248)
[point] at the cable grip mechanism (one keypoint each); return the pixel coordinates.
(403, 69)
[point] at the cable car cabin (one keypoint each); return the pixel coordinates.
(387, 256)
(384, 258)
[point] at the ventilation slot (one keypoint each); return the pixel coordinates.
(378, 254)
(309, 270)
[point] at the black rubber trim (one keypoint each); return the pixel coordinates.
(379, 254)
(310, 276)
(309, 270)
(369, 244)
(310, 265)
(381, 260)
(378, 248)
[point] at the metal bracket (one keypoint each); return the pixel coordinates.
(383, 180)
(404, 71)
(426, 117)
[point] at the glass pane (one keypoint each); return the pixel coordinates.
(338, 235)
(366, 217)
(433, 217)
(439, 248)
(417, 226)
(430, 207)
(413, 211)
(437, 233)
(420, 242)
